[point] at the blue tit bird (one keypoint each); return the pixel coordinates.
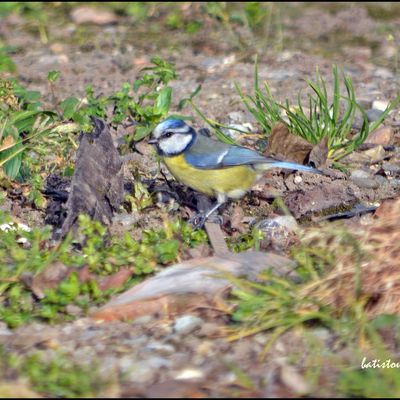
(217, 169)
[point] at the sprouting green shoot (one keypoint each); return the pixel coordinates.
(329, 115)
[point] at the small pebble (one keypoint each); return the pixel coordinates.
(395, 183)
(294, 381)
(236, 117)
(187, 324)
(376, 153)
(286, 221)
(298, 179)
(360, 174)
(373, 114)
(126, 219)
(363, 179)
(143, 320)
(392, 168)
(366, 183)
(161, 348)
(4, 330)
(383, 73)
(189, 373)
(322, 333)
(209, 329)
(380, 105)
(381, 136)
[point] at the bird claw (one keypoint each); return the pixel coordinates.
(198, 220)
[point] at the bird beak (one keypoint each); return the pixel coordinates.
(152, 141)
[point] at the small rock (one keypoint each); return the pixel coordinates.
(280, 74)
(245, 350)
(373, 115)
(235, 134)
(294, 381)
(381, 180)
(67, 330)
(212, 64)
(360, 174)
(143, 320)
(383, 73)
(189, 373)
(206, 348)
(322, 333)
(126, 219)
(287, 221)
(298, 179)
(383, 136)
(364, 102)
(175, 389)
(187, 324)
(278, 232)
(73, 310)
(356, 158)
(380, 105)
(53, 59)
(161, 348)
(393, 169)
(143, 371)
(4, 331)
(375, 154)
(395, 183)
(85, 14)
(209, 329)
(236, 116)
(57, 48)
(363, 179)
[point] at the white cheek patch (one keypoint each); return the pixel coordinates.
(176, 144)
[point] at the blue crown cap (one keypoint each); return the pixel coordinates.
(171, 123)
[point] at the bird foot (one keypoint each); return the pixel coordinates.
(198, 220)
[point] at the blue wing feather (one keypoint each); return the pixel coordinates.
(221, 158)
(210, 154)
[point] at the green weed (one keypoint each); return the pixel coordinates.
(277, 304)
(103, 255)
(35, 141)
(323, 118)
(58, 377)
(246, 241)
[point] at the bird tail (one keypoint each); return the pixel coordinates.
(288, 165)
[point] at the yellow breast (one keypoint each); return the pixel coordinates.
(231, 181)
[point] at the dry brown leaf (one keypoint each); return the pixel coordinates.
(284, 145)
(49, 278)
(7, 143)
(116, 280)
(319, 153)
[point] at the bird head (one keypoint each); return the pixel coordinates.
(172, 137)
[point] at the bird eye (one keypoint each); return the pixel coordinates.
(168, 134)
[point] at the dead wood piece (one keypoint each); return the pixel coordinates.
(190, 284)
(97, 184)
